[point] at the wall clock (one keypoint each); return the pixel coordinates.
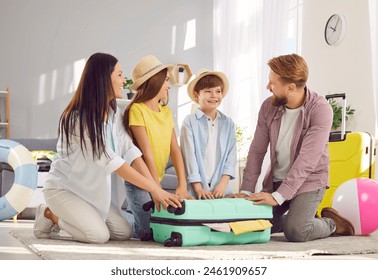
(335, 29)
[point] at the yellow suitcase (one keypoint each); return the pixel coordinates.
(352, 155)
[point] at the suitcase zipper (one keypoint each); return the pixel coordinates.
(177, 222)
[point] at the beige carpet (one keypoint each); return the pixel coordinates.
(276, 248)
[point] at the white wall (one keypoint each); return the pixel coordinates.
(44, 44)
(344, 68)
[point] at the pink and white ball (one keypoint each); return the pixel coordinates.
(357, 200)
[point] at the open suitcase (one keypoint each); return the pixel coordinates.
(185, 226)
(352, 155)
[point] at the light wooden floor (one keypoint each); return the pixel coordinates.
(12, 249)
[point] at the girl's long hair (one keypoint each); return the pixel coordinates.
(148, 90)
(90, 104)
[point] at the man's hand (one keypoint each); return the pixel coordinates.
(262, 198)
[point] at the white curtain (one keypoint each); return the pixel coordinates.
(247, 33)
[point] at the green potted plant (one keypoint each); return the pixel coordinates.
(242, 145)
(337, 112)
(126, 86)
(241, 142)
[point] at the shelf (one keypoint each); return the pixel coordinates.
(181, 74)
(5, 114)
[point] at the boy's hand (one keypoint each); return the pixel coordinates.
(219, 191)
(201, 193)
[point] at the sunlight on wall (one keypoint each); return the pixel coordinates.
(54, 77)
(173, 40)
(51, 84)
(42, 88)
(184, 103)
(78, 67)
(67, 76)
(184, 107)
(190, 35)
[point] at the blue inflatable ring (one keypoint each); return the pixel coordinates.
(25, 178)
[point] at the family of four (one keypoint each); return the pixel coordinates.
(105, 156)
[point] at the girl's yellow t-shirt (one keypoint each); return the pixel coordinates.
(159, 127)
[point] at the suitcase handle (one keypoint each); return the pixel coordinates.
(336, 95)
(343, 111)
(177, 211)
(148, 206)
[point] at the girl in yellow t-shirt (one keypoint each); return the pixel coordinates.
(150, 123)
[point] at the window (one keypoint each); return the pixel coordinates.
(294, 32)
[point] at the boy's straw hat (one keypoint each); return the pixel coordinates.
(202, 73)
(145, 69)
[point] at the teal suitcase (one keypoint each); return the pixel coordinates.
(184, 226)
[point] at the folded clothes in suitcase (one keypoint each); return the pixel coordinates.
(352, 155)
(196, 223)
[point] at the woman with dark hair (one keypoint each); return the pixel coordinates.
(92, 145)
(150, 123)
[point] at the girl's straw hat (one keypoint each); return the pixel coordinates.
(145, 69)
(202, 73)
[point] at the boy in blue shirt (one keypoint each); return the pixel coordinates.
(208, 140)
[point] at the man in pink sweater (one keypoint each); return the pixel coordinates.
(294, 123)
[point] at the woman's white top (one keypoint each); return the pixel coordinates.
(90, 179)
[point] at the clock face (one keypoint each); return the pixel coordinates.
(335, 29)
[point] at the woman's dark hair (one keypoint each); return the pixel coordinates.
(90, 104)
(148, 90)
